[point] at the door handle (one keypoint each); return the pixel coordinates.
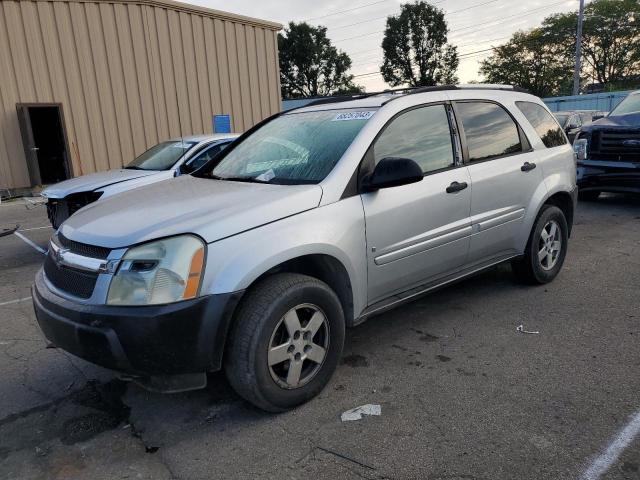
(527, 166)
(456, 187)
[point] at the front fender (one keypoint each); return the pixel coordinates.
(337, 230)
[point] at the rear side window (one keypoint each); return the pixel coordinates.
(421, 134)
(545, 125)
(489, 129)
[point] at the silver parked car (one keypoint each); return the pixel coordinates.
(313, 221)
(162, 161)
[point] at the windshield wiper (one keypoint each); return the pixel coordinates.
(239, 179)
(133, 167)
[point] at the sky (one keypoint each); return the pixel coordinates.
(357, 26)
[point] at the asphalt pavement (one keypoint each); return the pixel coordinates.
(463, 394)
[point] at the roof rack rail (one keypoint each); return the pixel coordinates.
(403, 91)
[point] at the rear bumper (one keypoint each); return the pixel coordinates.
(621, 177)
(179, 338)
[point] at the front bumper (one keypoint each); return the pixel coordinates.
(178, 338)
(595, 175)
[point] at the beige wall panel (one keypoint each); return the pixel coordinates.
(223, 70)
(234, 77)
(35, 47)
(273, 72)
(254, 82)
(263, 79)
(118, 87)
(166, 72)
(151, 47)
(243, 70)
(80, 144)
(106, 97)
(89, 88)
(130, 95)
(161, 71)
(211, 64)
(14, 168)
(200, 55)
(18, 50)
(194, 98)
(138, 76)
(180, 75)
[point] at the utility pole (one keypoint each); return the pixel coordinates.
(576, 72)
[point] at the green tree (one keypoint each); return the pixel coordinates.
(542, 60)
(310, 66)
(415, 48)
(610, 39)
(531, 61)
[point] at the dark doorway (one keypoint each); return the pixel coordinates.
(44, 140)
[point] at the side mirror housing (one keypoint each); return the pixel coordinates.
(393, 172)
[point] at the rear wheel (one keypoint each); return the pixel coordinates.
(286, 341)
(588, 196)
(546, 248)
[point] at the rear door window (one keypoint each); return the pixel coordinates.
(489, 130)
(546, 126)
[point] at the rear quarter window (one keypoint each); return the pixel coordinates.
(544, 124)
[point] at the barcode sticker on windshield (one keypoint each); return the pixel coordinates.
(353, 116)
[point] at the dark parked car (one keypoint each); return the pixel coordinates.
(608, 151)
(572, 121)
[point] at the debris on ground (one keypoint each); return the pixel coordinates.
(520, 328)
(358, 412)
(8, 231)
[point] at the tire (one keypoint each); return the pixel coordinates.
(265, 321)
(542, 260)
(588, 196)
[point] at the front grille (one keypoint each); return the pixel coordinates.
(83, 249)
(69, 280)
(610, 145)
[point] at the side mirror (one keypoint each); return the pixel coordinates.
(393, 172)
(596, 117)
(572, 126)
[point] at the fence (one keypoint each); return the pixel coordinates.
(603, 102)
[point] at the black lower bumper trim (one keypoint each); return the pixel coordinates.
(178, 338)
(608, 178)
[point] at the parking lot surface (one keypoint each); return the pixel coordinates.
(463, 394)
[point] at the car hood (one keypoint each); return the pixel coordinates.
(212, 209)
(93, 181)
(631, 120)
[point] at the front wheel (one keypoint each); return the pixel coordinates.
(546, 248)
(286, 341)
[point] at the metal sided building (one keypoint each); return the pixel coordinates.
(87, 85)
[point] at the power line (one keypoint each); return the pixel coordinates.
(347, 10)
(434, 3)
(520, 14)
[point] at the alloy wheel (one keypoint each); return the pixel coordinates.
(298, 346)
(549, 245)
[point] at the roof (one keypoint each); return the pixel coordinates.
(187, 8)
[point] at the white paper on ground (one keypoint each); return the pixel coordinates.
(358, 412)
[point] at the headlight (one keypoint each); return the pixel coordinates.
(162, 271)
(580, 148)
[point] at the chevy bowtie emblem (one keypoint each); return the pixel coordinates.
(58, 254)
(632, 142)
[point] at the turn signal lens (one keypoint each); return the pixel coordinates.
(195, 272)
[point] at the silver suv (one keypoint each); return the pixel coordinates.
(313, 221)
